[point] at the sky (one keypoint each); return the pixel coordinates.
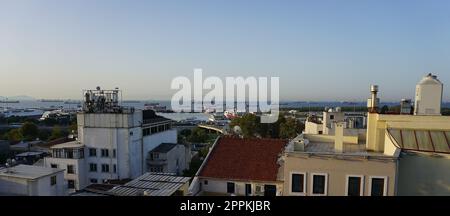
(321, 49)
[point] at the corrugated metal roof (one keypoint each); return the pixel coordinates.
(153, 184)
(421, 140)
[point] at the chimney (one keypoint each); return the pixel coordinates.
(339, 137)
(373, 101)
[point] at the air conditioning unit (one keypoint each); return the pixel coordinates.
(259, 190)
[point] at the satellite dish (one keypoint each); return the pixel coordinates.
(237, 129)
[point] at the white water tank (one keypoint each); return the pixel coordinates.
(428, 96)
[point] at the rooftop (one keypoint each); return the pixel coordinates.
(322, 145)
(27, 154)
(244, 159)
(72, 144)
(152, 184)
(28, 172)
(349, 149)
(150, 117)
(164, 147)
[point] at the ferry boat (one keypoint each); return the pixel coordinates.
(9, 101)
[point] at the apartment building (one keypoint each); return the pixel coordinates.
(169, 158)
(113, 141)
(326, 165)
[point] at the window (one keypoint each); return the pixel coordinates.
(114, 153)
(105, 168)
(331, 117)
(270, 190)
(92, 167)
(70, 169)
(206, 182)
(114, 168)
(378, 186)
(248, 189)
(71, 184)
(230, 187)
(92, 152)
(319, 184)
(156, 169)
(105, 153)
(354, 185)
(52, 180)
(93, 181)
(298, 183)
(54, 166)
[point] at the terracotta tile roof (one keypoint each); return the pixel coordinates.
(244, 159)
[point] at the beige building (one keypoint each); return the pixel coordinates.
(425, 159)
(399, 155)
(326, 165)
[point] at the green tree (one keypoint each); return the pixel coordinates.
(73, 127)
(290, 128)
(384, 109)
(186, 132)
(14, 136)
(198, 135)
(29, 130)
(56, 133)
(249, 124)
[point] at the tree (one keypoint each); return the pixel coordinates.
(186, 132)
(290, 128)
(198, 135)
(29, 130)
(384, 109)
(14, 136)
(56, 133)
(44, 134)
(73, 127)
(249, 124)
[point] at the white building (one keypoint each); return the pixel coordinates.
(354, 123)
(25, 180)
(428, 96)
(113, 141)
(69, 157)
(169, 158)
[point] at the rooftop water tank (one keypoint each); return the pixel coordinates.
(428, 97)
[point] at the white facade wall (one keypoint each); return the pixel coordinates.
(154, 140)
(33, 187)
(313, 128)
(177, 153)
(328, 119)
(79, 168)
(123, 133)
(215, 186)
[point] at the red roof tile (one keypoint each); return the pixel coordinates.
(244, 159)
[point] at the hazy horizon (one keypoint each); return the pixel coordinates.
(322, 50)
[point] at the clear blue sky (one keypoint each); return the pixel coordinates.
(321, 50)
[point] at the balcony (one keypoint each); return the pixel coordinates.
(156, 162)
